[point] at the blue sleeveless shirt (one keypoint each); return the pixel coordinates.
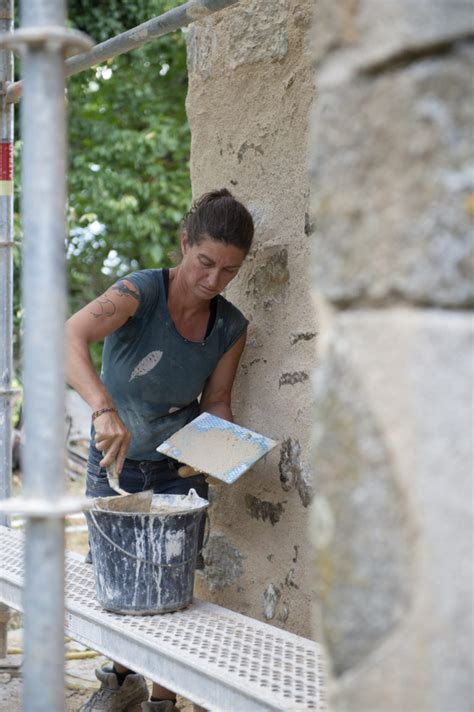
(154, 374)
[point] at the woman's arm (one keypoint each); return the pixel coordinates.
(216, 396)
(94, 322)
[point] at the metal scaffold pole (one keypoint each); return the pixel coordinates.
(43, 130)
(6, 256)
(43, 41)
(6, 280)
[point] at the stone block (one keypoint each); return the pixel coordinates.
(258, 31)
(392, 516)
(393, 176)
(253, 31)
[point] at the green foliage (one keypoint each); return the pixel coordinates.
(129, 149)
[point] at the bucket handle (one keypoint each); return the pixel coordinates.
(127, 553)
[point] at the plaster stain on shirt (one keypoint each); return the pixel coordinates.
(146, 364)
(173, 409)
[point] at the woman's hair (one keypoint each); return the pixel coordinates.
(219, 215)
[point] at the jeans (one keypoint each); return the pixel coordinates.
(161, 476)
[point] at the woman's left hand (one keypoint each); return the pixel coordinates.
(188, 471)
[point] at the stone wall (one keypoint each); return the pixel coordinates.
(393, 202)
(251, 87)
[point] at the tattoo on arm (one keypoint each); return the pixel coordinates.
(123, 290)
(103, 307)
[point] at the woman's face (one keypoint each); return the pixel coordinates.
(209, 266)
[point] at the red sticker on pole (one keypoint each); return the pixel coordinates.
(6, 167)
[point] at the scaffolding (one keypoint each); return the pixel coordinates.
(6, 277)
(44, 43)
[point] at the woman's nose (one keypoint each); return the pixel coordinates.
(213, 278)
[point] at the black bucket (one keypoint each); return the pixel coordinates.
(144, 562)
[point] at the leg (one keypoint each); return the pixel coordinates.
(117, 692)
(162, 693)
(158, 692)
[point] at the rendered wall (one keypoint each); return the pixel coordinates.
(393, 201)
(251, 87)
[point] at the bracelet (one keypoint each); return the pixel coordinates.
(96, 413)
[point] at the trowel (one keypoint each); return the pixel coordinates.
(125, 502)
(216, 447)
(113, 479)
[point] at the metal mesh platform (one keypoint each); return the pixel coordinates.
(219, 659)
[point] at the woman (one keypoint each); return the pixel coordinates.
(169, 337)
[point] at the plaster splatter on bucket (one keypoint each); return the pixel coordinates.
(144, 561)
(217, 447)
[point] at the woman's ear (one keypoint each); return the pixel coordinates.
(184, 242)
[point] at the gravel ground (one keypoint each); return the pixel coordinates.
(80, 680)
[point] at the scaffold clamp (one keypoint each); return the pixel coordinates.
(55, 38)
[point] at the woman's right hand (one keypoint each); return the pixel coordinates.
(112, 439)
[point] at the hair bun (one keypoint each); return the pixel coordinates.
(213, 195)
(221, 193)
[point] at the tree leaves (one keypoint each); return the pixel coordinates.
(129, 151)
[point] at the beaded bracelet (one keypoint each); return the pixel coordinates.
(96, 413)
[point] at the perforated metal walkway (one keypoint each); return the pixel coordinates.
(220, 660)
